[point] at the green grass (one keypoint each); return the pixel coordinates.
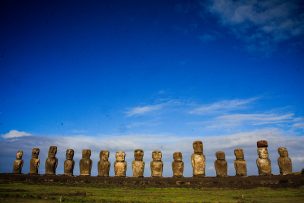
(21, 192)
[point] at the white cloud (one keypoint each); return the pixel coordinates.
(15, 134)
(140, 110)
(223, 106)
(298, 125)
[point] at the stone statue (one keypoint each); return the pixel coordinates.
(263, 162)
(120, 165)
(178, 164)
(18, 163)
(198, 159)
(85, 163)
(138, 165)
(156, 165)
(220, 164)
(51, 162)
(69, 162)
(240, 163)
(104, 164)
(284, 161)
(35, 161)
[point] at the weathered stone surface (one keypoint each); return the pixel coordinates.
(51, 162)
(18, 163)
(69, 163)
(284, 161)
(263, 162)
(138, 165)
(120, 165)
(85, 163)
(104, 164)
(240, 163)
(220, 164)
(178, 164)
(35, 161)
(156, 164)
(198, 159)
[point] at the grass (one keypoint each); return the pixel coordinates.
(24, 192)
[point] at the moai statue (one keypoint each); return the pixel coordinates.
(104, 164)
(178, 164)
(120, 165)
(157, 164)
(51, 162)
(240, 163)
(284, 161)
(138, 165)
(198, 159)
(220, 164)
(85, 163)
(35, 161)
(18, 163)
(69, 162)
(263, 162)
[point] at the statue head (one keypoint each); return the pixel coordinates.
(263, 152)
(138, 154)
(177, 156)
(283, 152)
(239, 154)
(156, 155)
(86, 153)
(35, 152)
(220, 155)
(104, 155)
(19, 155)
(69, 154)
(52, 151)
(120, 156)
(198, 146)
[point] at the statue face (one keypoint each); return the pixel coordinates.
(86, 153)
(283, 152)
(177, 156)
(35, 152)
(120, 156)
(138, 154)
(52, 151)
(69, 154)
(156, 155)
(239, 154)
(19, 154)
(104, 155)
(220, 155)
(263, 153)
(198, 146)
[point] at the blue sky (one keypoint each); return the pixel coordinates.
(151, 74)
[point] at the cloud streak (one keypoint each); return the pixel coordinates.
(15, 134)
(141, 110)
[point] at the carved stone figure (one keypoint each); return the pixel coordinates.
(51, 162)
(85, 163)
(198, 159)
(284, 161)
(35, 161)
(69, 162)
(263, 162)
(120, 165)
(104, 164)
(240, 163)
(220, 164)
(156, 165)
(178, 164)
(18, 163)
(138, 165)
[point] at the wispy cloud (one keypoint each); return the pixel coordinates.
(15, 134)
(261, 24)
(141, 110)
(223, 106)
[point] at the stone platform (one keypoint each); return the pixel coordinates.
(274, 181)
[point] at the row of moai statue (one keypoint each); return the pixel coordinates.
(120, 165)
